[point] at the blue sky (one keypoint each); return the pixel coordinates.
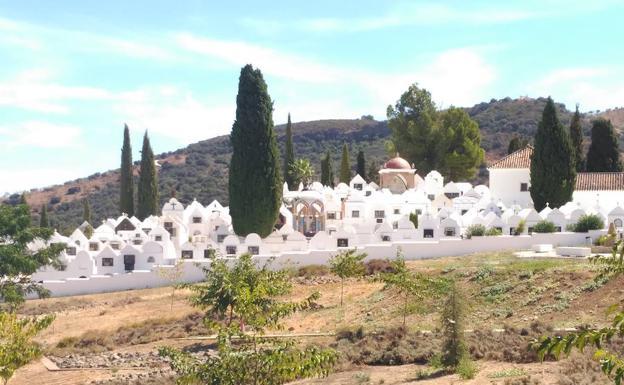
(73, 72)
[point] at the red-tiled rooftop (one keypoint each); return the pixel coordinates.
(599, 181)
(518, 159)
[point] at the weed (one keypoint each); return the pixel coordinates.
(361, 378)
(466, 369)
(512, 372)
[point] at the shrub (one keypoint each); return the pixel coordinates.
(520, 227)
(313, 271)
(544, 227)
(492, 231)
(375, 266)
(588, 222)
(475, 231)
(466, 369)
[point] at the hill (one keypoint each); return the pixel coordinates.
(199, 171)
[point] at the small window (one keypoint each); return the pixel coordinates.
(357, 186)
(93, 247)
(530, 230)
(209, 253)
(617, 222)
(221, 237)
(168, 225)
(395, 225)
(368, 193)
(380, 214)
(385, 238)
(230, 250)
(114, 245)
(70, 251)
(355, 214)
(331, 215)
(158, 238)
(557, 229)
(524, 187)
(137, 242)
(428, 233)
(397, 211)
(253, 250)
(107, 262)
(464, 212)
(431, 197)
(187, 254)
(151, 259)
(343, 242)
(449, 231)
(197, 220)
(512, 231)
(379, 220)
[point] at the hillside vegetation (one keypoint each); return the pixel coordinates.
(200, 170)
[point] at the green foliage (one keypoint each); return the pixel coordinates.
(88, 231)
(372, 173)
(289, 157)
(588, 222)
(576, 136)
(492, 232)
(516, 143)
(44, 222)
(451, 319)
(520, 228)
(603, 154)
(239, 296)
(301, 171)
(360, 167)
(345, 165)
(86, 210)
(466, 368)
(413, 217)
(126, 180)
(255, 185)
(148, 202)
(327, 172)
(16, 341)
(475, 231)
(17, 261)
(461, 145)
(611, 363)
(553, 169)
(544, 226)
(347, 264)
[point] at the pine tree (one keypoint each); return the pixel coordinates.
(454, 347)
(86, 210)
(345, 165)
(360, 167)
(553, 171)
(460, 145)
(148, 202)
(44, 222)
(603, 154)
(516, 144)
(255, 185)
(126, 191)
(576, 135)
(289, 156)
(327, 175)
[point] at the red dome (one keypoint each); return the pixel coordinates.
(398, 163)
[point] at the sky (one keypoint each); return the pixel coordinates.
(74, 72)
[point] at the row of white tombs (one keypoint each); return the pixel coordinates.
(320, 218)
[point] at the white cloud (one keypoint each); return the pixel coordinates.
(40, 134)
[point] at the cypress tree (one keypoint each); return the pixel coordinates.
(126, 191)
(327, 174)
(553, 171)
(43, 217)
(360, 167)
(345, 165)
(373, 173)
(603, 154)
(23, 199)
(255, 185)
(86, 210)
(148, 182)
(576, 135)
(289, 156)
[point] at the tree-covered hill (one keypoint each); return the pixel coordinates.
(200, 170)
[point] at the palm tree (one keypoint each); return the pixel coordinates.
(302, 172)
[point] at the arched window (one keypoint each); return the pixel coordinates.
(617, 223)
(151, 260)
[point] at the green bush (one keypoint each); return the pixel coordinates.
(475, 231)
(588, 222)
(492, 231)
(544, 227)
(520, 227)
(466, 369)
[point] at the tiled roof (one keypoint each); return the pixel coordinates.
(518, 159)
(599, 181)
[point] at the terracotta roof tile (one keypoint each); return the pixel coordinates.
(518, 159)
(599, 181)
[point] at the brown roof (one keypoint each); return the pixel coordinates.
(518, 159)
(599, 181)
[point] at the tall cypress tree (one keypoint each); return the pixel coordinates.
(86, 210)
(576, 135)
(289, 156)
(43, 217)
(126, 191)
(345, 165)
(360, 167)
(603, 154)
(327, 174)
(553, 171)
(148, 182)
(255, 183)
